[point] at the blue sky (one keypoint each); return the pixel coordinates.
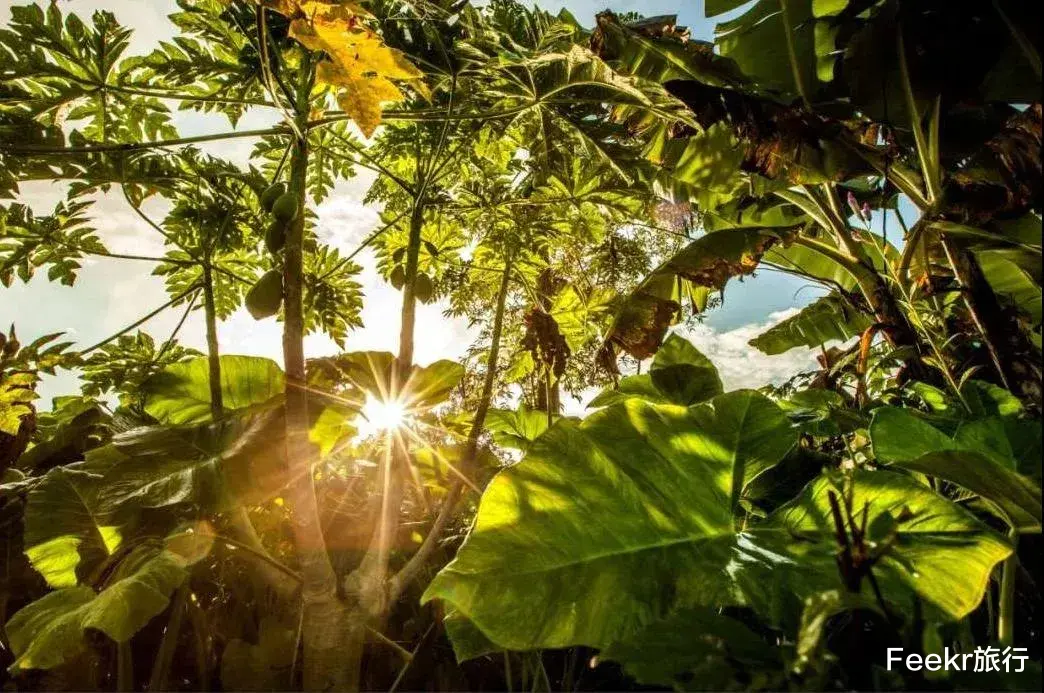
(113, 293)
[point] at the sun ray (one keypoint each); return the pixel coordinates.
(442, 458)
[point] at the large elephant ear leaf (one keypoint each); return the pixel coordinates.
(67, 523)
(679, 374)
(655, 508)
(237, 459)
(53, 628)
(683, 374)
(984, 456)
(640, 386)
(375, 373)
(516, 429)
(267, 665)
(941, 551)
(610, 524)
(431, 385)
(693, 644)
(180, 394)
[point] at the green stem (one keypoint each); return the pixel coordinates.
(1006, 608)
(913, 238)
(195, 98)
(139, 146)
(413, 566)
(795, 67)
(169, 643)
(217, 404)
(142, 320)
(924, 151)
(124, 667)
(962, 282)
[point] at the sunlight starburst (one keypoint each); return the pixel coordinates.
(380, 415)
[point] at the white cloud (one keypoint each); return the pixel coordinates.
(741, 365)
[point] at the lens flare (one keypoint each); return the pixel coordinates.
(383, 416)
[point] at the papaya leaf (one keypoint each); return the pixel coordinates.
(58, 242)
(579, 315)
(359, 65)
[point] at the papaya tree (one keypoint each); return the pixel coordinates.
(291, 67)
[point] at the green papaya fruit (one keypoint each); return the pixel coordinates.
(398, 277)
(265, 297)
(275, 236)
(271, 194)
(285, 208)
(423, 288)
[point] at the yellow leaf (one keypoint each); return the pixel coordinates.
(362, 95)
(358, 61)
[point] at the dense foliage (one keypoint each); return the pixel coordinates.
(198, 521)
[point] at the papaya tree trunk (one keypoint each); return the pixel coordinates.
(416, 563)
(323, 613)
(367, 586)
(217, 405)
(242, 529)
(392, 474)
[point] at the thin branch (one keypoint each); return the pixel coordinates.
(143, 258)
(255, 553)
(369, 239)
(381, 168)
(413, 654)
(148, 220)
(266, 72)
(139, 146)
(177, 328)
(141, 321)
(425, 179)
(200, 98)
(432, 114)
